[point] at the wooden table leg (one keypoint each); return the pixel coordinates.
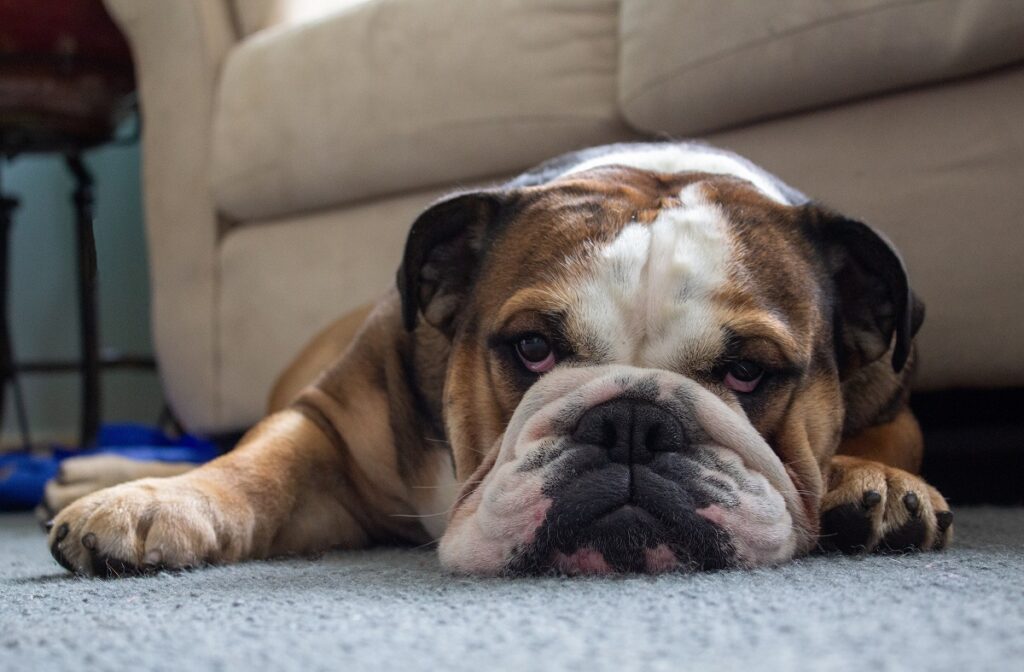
(87, 310)
(8, 371)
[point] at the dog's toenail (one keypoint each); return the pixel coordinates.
(62, 531)
(912, 503)
(944, 520)
(89, 541)
(152, 558)
(871, 499)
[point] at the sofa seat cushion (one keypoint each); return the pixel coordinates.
(702, 65)
(392, 95)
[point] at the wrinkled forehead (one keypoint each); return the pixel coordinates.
(634, 262)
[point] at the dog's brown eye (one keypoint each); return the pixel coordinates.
(535, 353)
(743, 376)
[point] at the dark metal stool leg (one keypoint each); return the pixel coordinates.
(83, 200)
(8, 371)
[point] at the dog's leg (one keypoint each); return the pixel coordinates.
(347, 463)
(875, 500)
(897, 443)
(287, 488)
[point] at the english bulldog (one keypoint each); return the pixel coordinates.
(634, 358)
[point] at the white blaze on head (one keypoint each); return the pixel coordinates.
(672, 158)
(647, 299)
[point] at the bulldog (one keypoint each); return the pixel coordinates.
(634, 358)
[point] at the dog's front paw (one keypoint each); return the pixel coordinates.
(143, 526)
(80, 476)
(870, 506)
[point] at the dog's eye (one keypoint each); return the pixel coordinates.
(743, 376)
(535, 353)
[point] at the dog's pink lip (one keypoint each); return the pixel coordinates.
(583, 561)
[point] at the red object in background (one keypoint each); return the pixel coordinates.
(65, 73)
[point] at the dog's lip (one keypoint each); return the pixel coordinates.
(628, 508)
(636, 506)
(617, 505)
(623, 538)
(616, 497)
(618, 510)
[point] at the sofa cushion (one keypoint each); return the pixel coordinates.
(393, 95)
(937, 169)
(701, 65)
(283, 281)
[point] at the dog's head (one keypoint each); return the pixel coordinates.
(646, 369)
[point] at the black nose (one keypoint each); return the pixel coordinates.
(631, 431)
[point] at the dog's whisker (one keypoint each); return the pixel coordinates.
(424, 545)
(419, 515)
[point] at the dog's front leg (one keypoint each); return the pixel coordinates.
(283, 490)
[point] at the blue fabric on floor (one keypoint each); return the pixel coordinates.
(23, 475)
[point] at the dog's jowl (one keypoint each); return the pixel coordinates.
(641, 357)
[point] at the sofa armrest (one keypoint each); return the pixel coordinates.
(178, 48)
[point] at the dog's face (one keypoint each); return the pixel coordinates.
(645, 369)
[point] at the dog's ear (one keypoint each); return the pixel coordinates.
(876, 311)
(441, 256)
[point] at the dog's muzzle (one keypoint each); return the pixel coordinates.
(616, 469)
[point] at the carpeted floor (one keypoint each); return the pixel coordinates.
(396, 610)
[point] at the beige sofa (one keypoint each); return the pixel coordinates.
(289, 144)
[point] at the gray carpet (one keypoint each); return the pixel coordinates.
(394, 609)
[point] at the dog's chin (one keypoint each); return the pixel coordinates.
(717, 497)
(626, 537)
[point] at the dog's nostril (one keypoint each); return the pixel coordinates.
(630, 430)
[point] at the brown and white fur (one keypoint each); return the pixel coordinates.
(649, 270)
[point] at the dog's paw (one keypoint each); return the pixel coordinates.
(873, 507)
(143, 526)
(80, 476)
